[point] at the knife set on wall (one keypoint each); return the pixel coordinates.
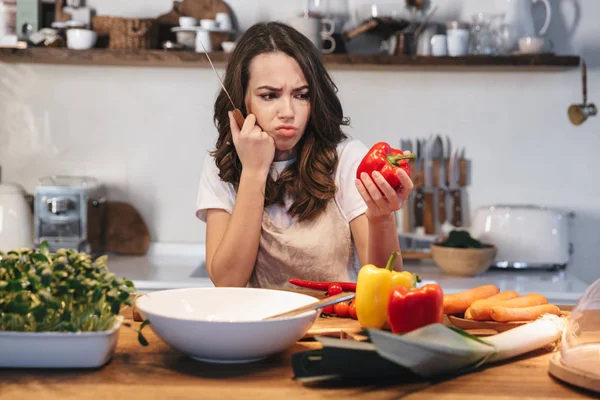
(436, 204)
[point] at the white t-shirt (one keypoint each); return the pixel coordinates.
(214, 193)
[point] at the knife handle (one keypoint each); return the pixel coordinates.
(456, 207)
(428, 220)
(441, 206)
(239, 117)
(418, 207)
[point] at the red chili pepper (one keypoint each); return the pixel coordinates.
(386, 160)
(413, 309)
(346, 286)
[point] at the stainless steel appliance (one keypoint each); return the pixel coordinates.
(69, 213)
(527, 236)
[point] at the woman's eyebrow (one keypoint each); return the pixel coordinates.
(274, 89)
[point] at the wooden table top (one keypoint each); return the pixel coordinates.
(157, 371)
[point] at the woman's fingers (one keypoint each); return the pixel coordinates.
(407, 184)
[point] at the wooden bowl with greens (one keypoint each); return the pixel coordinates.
(462, 255)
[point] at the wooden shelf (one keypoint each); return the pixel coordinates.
(190, 59)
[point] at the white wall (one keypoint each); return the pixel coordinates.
(143, 131)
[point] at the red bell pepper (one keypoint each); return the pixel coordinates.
(413, 309)
(385, 160)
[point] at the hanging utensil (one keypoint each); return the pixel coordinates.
(237, 114)
(578, 113)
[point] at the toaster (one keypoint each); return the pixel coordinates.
(69, 213)
(526, 236)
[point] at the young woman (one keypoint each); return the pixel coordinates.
(279, 194)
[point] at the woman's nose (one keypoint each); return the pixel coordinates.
(286, 109)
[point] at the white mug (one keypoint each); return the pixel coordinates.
(208, 24)
(203, 38)
(187, 22)
(439, 45)
(313, 28)
(458, 42)
(224, 21)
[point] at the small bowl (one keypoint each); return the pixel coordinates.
(531, 45)
(81, 39)
(463, 262)
(228, 47)
(224, 325)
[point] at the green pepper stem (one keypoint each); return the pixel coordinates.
(391, 260)
(395, 159)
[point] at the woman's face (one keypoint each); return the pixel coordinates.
(277, 94)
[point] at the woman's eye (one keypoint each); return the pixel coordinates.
(268, 96)
(303, 96)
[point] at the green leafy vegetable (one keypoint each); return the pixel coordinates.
(461, 240)
(61, 292)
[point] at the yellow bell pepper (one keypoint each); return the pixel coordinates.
(373, 288)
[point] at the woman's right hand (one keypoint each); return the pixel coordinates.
(255, 148)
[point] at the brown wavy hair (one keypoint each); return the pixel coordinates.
(310, 178)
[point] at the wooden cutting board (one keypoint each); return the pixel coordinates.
(333, 326)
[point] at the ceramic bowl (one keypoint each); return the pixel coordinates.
(463, 262)
(225, 325)
(81, 39)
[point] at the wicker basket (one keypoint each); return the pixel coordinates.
(133, 34)
(127, 33)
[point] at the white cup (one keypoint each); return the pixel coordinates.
(457, 42)
(187, 22)
(531, 45)
(209, 24)
(81, 39)
(439, 45)
(314, 29)
(203, 38)
(224, 21)
(228, 47)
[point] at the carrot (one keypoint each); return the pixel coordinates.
(506, 295)
(468, 313)
(481, 310)
(457, 303)
(506, 314)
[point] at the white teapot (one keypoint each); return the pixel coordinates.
(518, 15)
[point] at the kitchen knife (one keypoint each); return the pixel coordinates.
(445, 172)
(428, 190)
(237, 114)
(418, 200)
(455, 192)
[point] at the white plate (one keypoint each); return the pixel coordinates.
(58, 349)
(224, 325)
(199, 28)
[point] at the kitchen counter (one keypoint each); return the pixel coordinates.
(171, 266)
(159, 372)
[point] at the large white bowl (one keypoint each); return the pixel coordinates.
(224, 324)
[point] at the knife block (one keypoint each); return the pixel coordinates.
(418, 176)
(433, 197)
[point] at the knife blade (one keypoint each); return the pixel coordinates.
(455, 191)
(237, 114)
(418, 200)
(428, 196)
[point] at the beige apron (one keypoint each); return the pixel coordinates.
(317, 250)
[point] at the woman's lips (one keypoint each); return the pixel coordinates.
(286, 130)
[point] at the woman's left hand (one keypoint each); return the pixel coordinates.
(381, 199)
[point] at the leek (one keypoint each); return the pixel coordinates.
(437, 349)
